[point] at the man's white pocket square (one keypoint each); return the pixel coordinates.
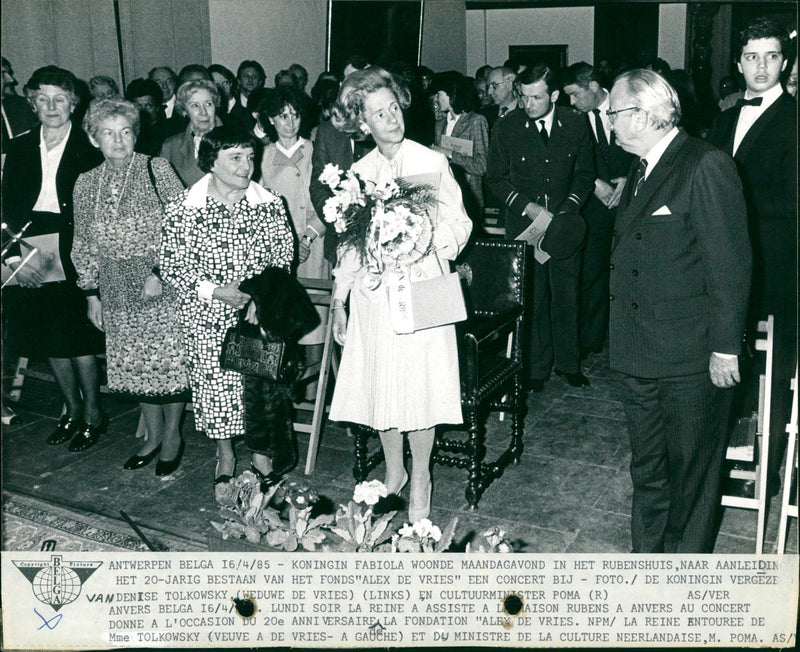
(664, 210)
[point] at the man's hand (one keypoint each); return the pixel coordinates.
(724, 372)
(339, 325)
(532, 211)
(617, 194)
(95, 312)
(230, 295)
(603, 191)
(152, 288)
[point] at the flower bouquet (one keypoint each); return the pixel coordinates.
(388, 224)
(245, 509)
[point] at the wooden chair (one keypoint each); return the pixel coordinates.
(491, 380)
(759, 448)
(789, 510)
(320, 293)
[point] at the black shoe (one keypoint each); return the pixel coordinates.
(65, 430)
(165, 467)
(535, 385)
(138, 461)
(223, 478)
(87, 436)
(268, 480)
(576, 380)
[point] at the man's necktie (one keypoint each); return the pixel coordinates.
(756, 101)
(543, 133)
(602, 141)
(639, 177)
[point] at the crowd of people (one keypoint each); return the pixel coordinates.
(158, 202)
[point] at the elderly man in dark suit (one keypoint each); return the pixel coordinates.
(680, 275)
(760, 132)
(583, 86)
(540, 156)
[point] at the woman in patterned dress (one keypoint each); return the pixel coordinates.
(396, 384)
(222, 230)
(118, 215)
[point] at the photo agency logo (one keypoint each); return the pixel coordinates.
(58, 582)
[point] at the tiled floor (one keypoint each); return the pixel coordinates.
(571, 491)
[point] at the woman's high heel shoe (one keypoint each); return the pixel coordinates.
(169, 466)
(403, 483)
(419, 504)
(223, 478)
(138, 461)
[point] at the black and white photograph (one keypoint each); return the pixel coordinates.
(471, 281)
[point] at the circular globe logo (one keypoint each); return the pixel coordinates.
(56, 585)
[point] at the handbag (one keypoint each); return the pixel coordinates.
(247, 352)
(418, 305)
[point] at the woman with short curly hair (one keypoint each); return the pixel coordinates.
(119, 208)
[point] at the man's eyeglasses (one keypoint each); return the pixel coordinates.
(494, 85)
(612, 115)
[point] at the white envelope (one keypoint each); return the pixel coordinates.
(664, 210)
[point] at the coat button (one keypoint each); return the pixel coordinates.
(547, 160)
(523, 158)
(638, 236)
(611, 266)
(635, 272)
(547, 180)
(610, 297)
(417, 273)
(635, 306)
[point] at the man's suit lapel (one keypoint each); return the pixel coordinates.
(751, 137)
(632, 213)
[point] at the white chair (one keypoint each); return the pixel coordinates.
(760, 447)
(789, 510)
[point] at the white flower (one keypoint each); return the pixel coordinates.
(334, 208)
(387, 190)
(331, 175)
(424, 528)
(370, 492)
(406, 531)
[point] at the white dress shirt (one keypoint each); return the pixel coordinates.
(749, 114)
(48, 195)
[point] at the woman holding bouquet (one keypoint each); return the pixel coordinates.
(395, 383)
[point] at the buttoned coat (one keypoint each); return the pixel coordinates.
(680, 265)
(179, 151)
(522, 170)
(22, 181)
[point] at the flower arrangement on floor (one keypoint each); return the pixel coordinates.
(248, 512)
(387, 225)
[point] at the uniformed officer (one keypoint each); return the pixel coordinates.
(541, 157)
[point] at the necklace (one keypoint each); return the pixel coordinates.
(115, 193)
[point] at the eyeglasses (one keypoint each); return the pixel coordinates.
(612, 115)
(495, 85)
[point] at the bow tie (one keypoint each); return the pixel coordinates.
(756, 101)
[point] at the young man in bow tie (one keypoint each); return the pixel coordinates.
(761, 135)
